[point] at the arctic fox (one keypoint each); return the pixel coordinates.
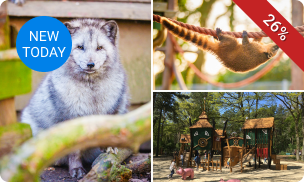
(91, 82)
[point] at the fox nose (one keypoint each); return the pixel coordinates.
(90, 65)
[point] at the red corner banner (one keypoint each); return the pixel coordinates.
(278, 29)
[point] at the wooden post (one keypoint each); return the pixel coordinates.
(255, 157)
(216, 164)
(4, 27)
(244, 138)
(206, 163)
(212, 166)
(297, 75)
(189, 163)
(221, 164)
(7, 105)
(259, 158)
(208, 169)
(230, 168)
(242, 158)
(170, 54)
(269, 154)
(7, 111)
(222, 152)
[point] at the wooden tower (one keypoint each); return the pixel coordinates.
(259, 133)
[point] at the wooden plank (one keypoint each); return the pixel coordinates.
(68, 9)
(160, 6)
(15, 79)
(242, 158)
(7, 111)
(221, 165)
(208, 168)
(12, 136)
(9, 54)
(297, 75)
(212, 165)
(170, 54)
(4, 27)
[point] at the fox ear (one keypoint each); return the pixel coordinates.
(111, 30)
(71, 29)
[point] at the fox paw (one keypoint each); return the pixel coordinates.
(78, 172)
(111, 150)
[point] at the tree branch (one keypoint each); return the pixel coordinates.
(124, 131)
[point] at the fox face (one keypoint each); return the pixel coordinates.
(94, 46)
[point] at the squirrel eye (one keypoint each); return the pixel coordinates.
(80, 47)
(99, 47)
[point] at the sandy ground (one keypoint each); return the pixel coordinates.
(295, 172)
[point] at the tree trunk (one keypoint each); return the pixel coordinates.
(124, 131)
(256, 105)
(162, 131)
(240, 97)
(158, 133)
(154, 98)
(297, 134)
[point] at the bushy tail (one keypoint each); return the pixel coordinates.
(201, 41)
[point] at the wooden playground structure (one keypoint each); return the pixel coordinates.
(203, 137)
(257, 145)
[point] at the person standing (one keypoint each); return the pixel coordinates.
(197, 160)
(182, 158)
(172, 166)
(195, 153)
(228, 163)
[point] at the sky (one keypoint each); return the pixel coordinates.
(242, 22)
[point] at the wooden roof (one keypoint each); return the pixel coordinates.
(202, 122)
(185, 138)
(259, 123)
(220, 133)
(140, 10)
(203, 115)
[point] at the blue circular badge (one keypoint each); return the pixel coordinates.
(44, 44)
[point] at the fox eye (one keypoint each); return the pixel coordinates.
(99, 48)
(80, 47)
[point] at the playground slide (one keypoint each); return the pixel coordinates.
(246, 158)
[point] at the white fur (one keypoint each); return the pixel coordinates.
(70, 92)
